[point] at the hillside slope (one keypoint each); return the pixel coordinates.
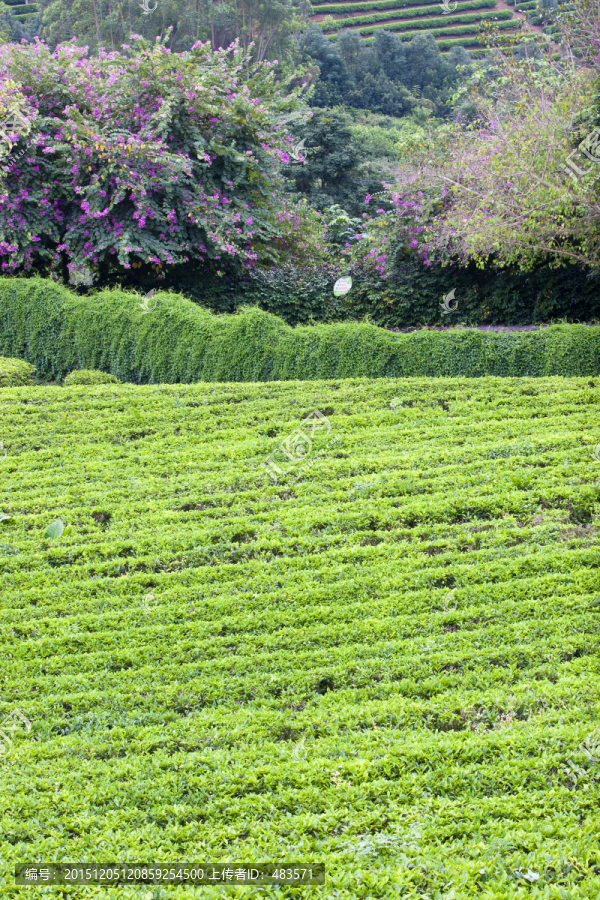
(454, 23)
(383, 661)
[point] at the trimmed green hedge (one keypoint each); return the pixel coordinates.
(341, 8)
(432, 13)
(89, 376)
(470, 40)
(58, 331)
(14, 372)
(469, 26)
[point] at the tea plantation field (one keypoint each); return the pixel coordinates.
(386, 660)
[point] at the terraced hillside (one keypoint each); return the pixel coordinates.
(21, 11)
(408, 17)
(386, 660)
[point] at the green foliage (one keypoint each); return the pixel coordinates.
(18, 22)
(14, 372)
(179, 342)
(108, 23)
(379, 135)
(384, 662)
(89, 376)
(384, 76)
(411, 296)
(123, 186)
(426, 8)
(431, 16)
(333, 171)
(340, 8)
(297, 294)
(469, 40)
(469, 24)
(55, 530)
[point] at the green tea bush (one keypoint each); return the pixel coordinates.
(340, 8)
(112, 331)
(89, 376)
(386, 662)
(431, 13)
(14, 372)
(470, 40)
(471, 24)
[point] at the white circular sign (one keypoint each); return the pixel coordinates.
(342, 286)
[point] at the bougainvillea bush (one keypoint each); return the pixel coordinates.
(143, 158)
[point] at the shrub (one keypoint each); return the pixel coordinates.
(411, 296)
(128, 164)
(385, 640)
(341, 8)
(14, 372)
(426, 12)
(89, 376)
(471, 23)
(180, 342)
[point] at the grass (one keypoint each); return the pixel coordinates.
(381, 662)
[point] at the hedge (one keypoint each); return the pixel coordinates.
(469, 40)
(410, 297)
(14, 372)
(178, 342)
(472, 41)
(423, 12)
(340, 8)
(89, 376)
(465, 28)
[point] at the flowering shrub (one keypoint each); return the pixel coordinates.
(143, 158)
(385, 238)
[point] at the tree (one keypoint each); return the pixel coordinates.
(520, 184)
(387, 77)
(267, 25)
(390, 52)
(11, 29)
(333, 171)
(333, 75)
(132, 163)
(423, 61)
